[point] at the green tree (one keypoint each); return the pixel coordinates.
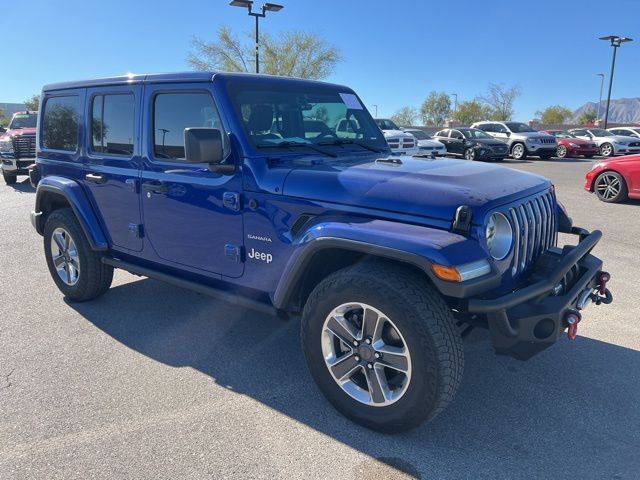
(4, 120)
(471, 111)
(587, 117)
(435, 109)
(292, 54)
(555, 115)
(405, 117)
(499, 100)
(33, 103)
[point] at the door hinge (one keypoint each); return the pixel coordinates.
(231, 200)
(135, 229)
(233, 252)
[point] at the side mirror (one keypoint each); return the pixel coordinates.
(204, 145)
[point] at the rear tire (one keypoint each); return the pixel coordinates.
(606, 150)
(519, 151)
(76, 269)
(9, 179)
(425, 330)
(610, 187)
(470, 154)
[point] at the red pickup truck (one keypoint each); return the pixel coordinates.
(18, 146)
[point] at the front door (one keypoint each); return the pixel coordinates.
(112, 163)
(192, 216)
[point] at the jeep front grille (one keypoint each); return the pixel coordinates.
(547, 140)
(534, 225)
(24, 146)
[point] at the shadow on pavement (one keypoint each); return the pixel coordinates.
(24, 186)
(571, 412)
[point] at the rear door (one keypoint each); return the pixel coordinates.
(112, 163)
(192, 216)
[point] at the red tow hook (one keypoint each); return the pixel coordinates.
(603, 278)
(572, 318)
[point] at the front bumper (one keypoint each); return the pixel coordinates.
(541, 149)
(16, 166)
(528, 320)
(577, 152)
(619, 150)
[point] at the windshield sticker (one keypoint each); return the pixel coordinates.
(351, 101)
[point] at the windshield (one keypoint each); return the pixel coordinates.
(419, 134)
(562, 134)
(599, 132)
(474, 133)
(385, 124)
(286, 117)
(24, 120)
(518, 127)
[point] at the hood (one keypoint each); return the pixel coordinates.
(396, 133)
(428, 188)
(430, 143)
(18, 131)
(494, 142)
(619, 160)
(531, 135)
(622, 138)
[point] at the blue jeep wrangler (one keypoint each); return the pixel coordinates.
(241, 186)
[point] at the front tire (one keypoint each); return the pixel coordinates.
(606, 150)
(519, 151)
(470, 154)
(76, 269)
(610, 187)
(382, 346)
(9, 179)
(561, 151)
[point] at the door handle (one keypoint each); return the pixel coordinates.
(154, 187)
(95, 177)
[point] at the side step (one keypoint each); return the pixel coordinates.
(196, 287)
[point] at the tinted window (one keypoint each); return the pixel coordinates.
(443, 133)
(112, 124)
(486, 127)
(518, 127)
(474, 133)
(60, 123)
(456, 134)
(173, 112)
(419, 134)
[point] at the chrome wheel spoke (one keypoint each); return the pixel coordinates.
(344, 367)
(377, 382)
(371, 325)
(59, 240)
(394, 357)
(339, 327)
(64, 256)
(58, 261)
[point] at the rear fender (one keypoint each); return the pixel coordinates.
(53, 191)
(417, 246)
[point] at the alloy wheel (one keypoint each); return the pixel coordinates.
(470, 154)
(64, 254)
(366, 354)
(608, 186)
(606, 149)
(518, 151)
(562, 151)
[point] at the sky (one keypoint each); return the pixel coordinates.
(394, 52)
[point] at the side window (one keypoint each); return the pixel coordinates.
(486, 127)
(60, 123)
(500, 128)
(443, 133)
(456, 134)
(172, 113)
(112, 124)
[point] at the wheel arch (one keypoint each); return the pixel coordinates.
(54, 193)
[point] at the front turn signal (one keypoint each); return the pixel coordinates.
(446, 273)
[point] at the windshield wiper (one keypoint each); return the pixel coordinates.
(342, 141)
(297, 144)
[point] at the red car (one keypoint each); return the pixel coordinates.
(616, 179)
(571, 146)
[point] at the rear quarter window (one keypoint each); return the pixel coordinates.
(60, 123)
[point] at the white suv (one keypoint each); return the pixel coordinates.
(401, 143)
(609, 143)
(521, 138)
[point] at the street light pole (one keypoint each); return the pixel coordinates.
(455, 102)
(266, 7)
(376, 107)
(601, 75)
(616, 41)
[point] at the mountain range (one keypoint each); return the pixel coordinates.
(622, 110)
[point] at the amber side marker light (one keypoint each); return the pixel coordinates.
(446, 273)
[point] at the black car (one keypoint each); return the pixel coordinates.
(472, 144)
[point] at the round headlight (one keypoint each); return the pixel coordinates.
(499, 236)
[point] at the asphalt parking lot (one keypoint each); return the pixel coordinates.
(151, 381)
